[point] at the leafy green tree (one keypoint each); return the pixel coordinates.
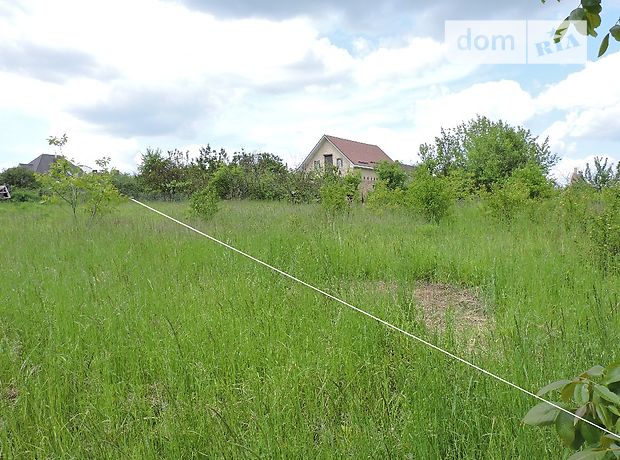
(392, 174)
(19, 178)
(432, 196)
(126, 183)
(59, 142)
(164, 175)
(602, 174)
(589, 11)
(94, 192)
(303, 187)
(352, 181)
(505, 200)
(154, 171)
(382, 198)
(462, 182)
(64, 182)
(486, 152)
(265, 175)
(495, 150)
(447, 154)
(229, 182)
(100, 193)
(210, 160)
(535, 181)
(335, 196)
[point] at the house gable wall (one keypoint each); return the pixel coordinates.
(326, 148)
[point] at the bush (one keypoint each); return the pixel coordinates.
(462, 183)
(533, 178)
(503, 202)
(430, 195)
(204, 203)
(304, 187)
(352, 182)
(24, 194)
(392, 174)
(19, 178)
(382, 197)
(126, 184)
(335, 196)
(229, 182)
(575, 205)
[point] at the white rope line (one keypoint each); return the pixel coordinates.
(381, 321)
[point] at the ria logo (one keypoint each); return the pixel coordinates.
(543, 49)
(549, 46)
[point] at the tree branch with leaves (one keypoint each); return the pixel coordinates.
(590, 12)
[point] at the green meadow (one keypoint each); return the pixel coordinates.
(136, 338)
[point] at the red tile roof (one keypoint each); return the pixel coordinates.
(359, 153)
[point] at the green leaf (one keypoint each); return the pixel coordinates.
(592, 22)
(578, 442)
(591, 5)
(541, 414)
(607, 394)
(552, 386)
(561, 30)
(594, 372)
(578, 14)
(589, 454)
(565, 428)
(612, 374)
(581, 394)
(591, 434)
(604, 46)
(567, 391)
(594, 19)
(614, 410)
(603, 414)
(615, 32)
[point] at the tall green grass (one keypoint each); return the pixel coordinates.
(136, 338)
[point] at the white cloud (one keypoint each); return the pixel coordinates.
(266, 84)
(589, 105)
(595, 86)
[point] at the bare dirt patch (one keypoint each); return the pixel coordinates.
(440, 301)
(11, 394)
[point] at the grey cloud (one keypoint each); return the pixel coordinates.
(376, 17)
(50, 64)
(309, 70)
(140, 112)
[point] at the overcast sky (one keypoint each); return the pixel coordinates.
(119, 76)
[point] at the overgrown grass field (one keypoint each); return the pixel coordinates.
(136, 338)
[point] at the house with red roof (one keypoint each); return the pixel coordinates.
(346, 155)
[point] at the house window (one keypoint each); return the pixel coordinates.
(317, 164)
(339, 163)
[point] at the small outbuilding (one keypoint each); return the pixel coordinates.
(5, 194)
